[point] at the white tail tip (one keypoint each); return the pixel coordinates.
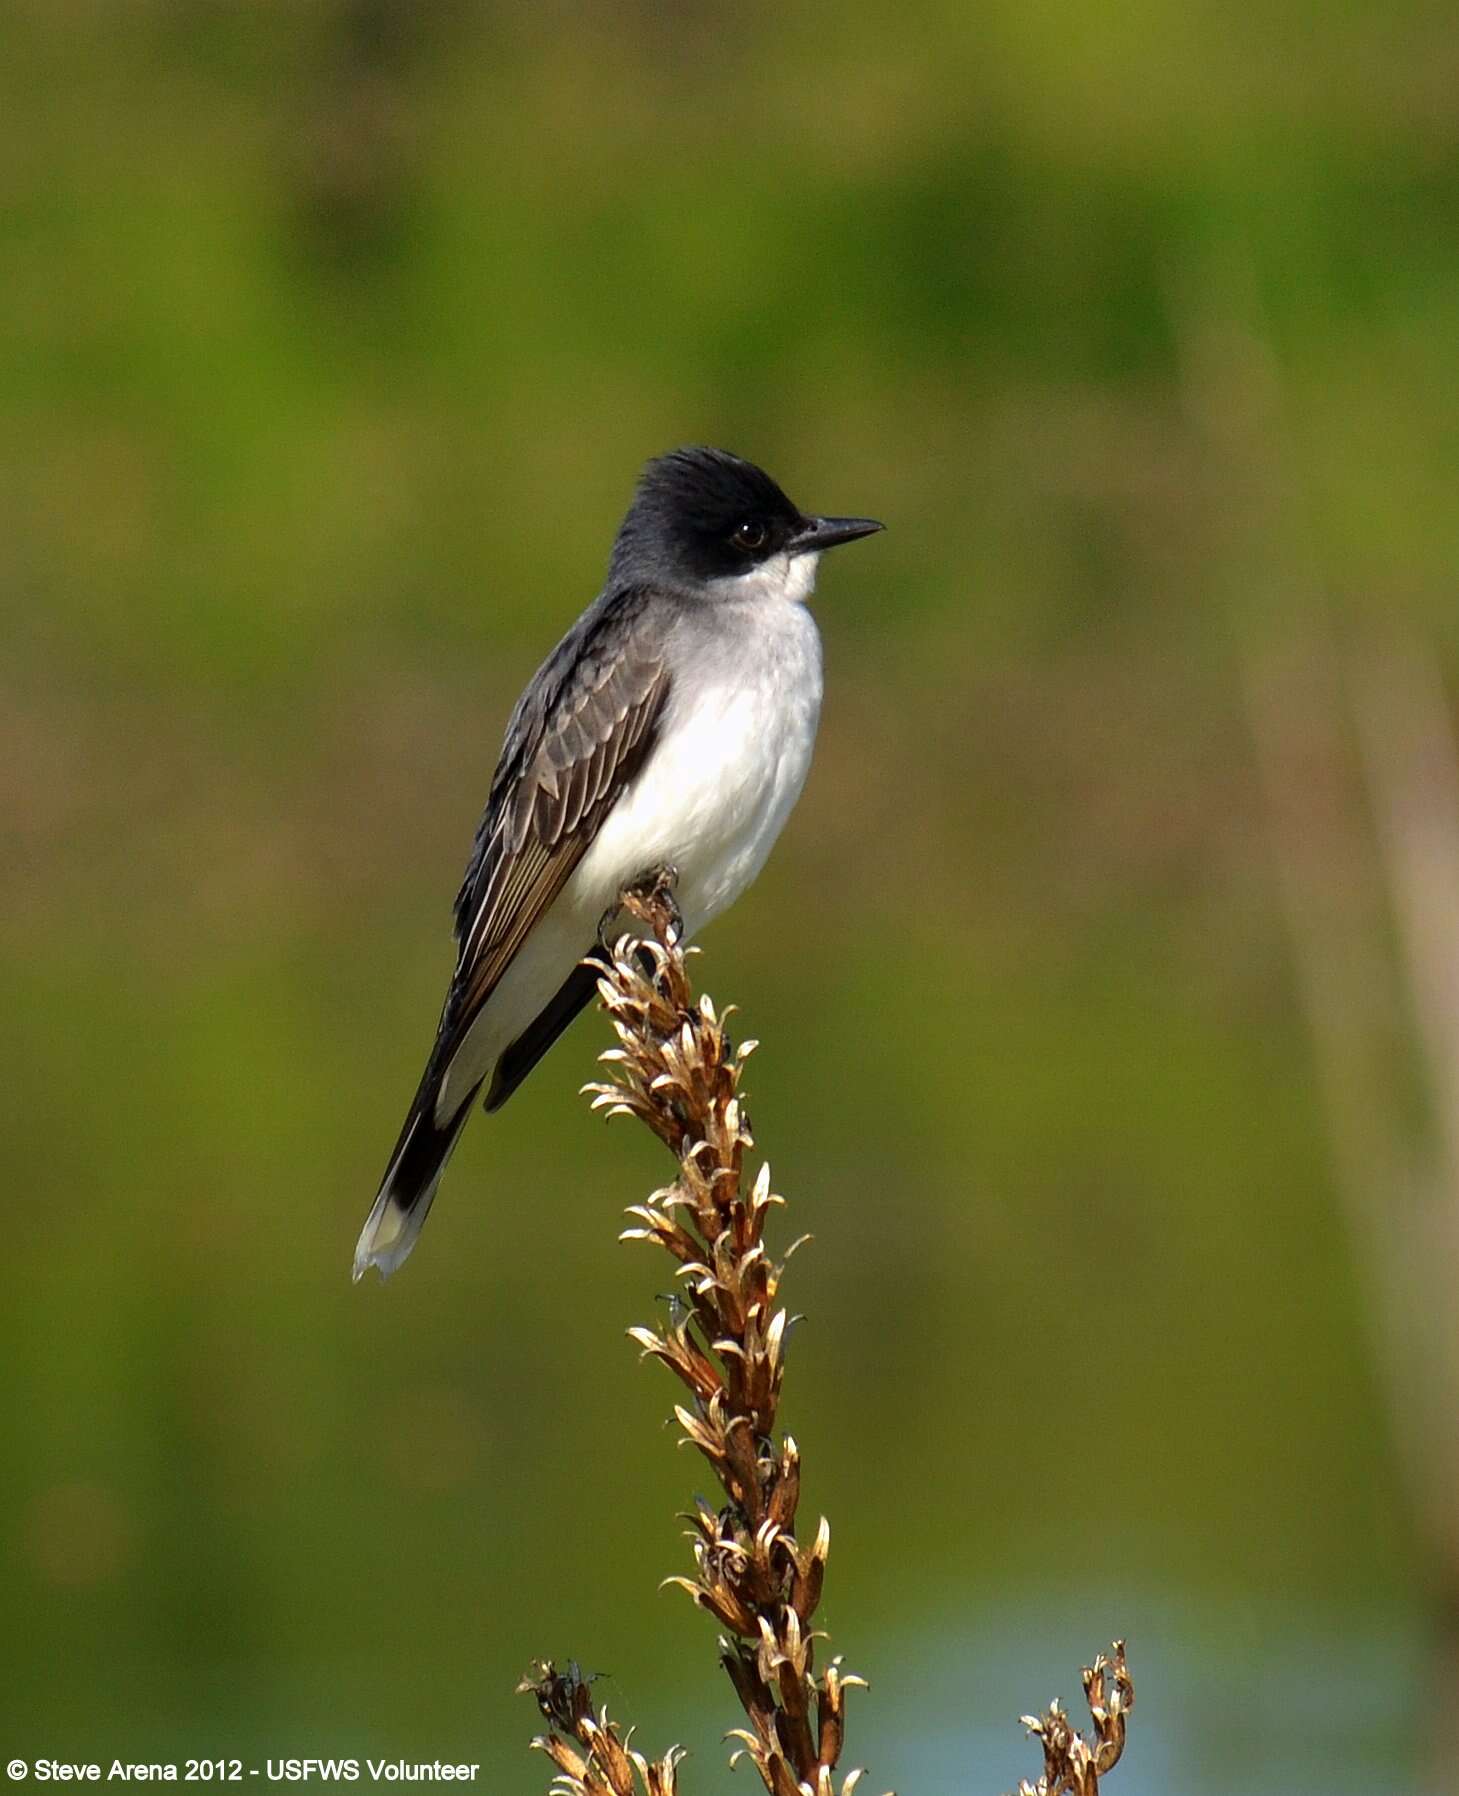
(389, 1235)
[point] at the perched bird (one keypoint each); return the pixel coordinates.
(670, 729)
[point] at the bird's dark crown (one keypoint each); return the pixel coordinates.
(703, 514)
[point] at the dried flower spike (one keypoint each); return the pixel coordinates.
(675, 1068)
(591, 1756)
(1073, 1765)
(724, 1338)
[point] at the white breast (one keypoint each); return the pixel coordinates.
(731, 757)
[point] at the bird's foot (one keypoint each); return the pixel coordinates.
(651, 899)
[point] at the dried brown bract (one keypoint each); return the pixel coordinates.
(1073, 1765)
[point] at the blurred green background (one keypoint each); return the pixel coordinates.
(333, 338)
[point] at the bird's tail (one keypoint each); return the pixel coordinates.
(411, 1179)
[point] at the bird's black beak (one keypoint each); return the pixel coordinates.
(816, 534)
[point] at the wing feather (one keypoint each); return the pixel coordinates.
(577, 738)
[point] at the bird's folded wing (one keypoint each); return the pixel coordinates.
(577, 738)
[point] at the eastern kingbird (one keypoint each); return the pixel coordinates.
(671, 727)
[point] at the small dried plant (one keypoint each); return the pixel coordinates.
(1072, 1765)
(676, 1070)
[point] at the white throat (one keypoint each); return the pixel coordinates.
(784, 579)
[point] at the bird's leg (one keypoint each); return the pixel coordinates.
(651, 899)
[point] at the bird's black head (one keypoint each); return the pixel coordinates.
(704, 515)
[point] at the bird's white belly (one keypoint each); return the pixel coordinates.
(722, 778)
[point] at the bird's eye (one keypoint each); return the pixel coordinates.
(750, 535)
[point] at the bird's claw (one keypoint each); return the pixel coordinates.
(651, 899)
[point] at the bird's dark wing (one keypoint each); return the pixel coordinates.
(578, 736)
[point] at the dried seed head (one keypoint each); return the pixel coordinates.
(676, 1070)
(1073, 1765)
